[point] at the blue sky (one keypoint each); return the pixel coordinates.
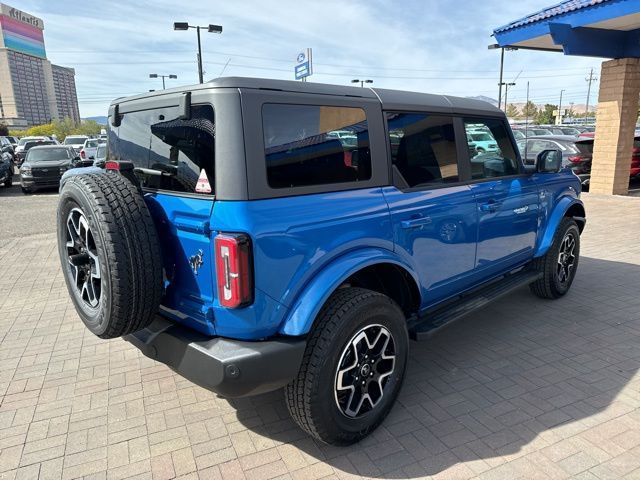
(437, 46)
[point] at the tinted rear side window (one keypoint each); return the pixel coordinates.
(169, 153)
(315, 145)
(423, 148)
(585, 147)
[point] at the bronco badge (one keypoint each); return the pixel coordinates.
(196, 261)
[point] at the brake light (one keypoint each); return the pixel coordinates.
(577, 159)
(112, 166)
(233, 270)
(82, 154)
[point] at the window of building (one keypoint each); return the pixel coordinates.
(423, 149)
(315, 145)
(491, 151)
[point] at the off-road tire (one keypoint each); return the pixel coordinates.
(549, 286)
(128, 252)
(310, 396)
(26, 191)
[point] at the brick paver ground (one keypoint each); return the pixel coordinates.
(524, 389)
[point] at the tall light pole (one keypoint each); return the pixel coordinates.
(361, 82)
(155, 75)
(589, 79)
(495, 46)
(506, 92)
(210, 28)
(559, 119)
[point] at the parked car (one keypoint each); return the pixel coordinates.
(587, 138)
(75, 141)
(518, 135)
(44, 166)
(576, 153)
(293, 260)
(19, 149)
(30, 144)
(484, 141)
(562, 130)
(88, 150)
(6, 165)
(13, 140)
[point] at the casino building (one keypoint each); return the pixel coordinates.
(32, 90)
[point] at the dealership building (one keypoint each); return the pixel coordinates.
(32, 90)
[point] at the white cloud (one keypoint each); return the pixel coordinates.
(437, 46)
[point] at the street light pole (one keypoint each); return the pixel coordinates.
(200, 74)
(500, 81)
(155, 75)
(559, 119)
(210, 28)
(506, 90)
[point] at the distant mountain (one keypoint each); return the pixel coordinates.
(485, 99)
(100, 119)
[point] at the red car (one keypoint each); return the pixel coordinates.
(635, 155)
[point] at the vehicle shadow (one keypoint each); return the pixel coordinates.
(16, 191)
(520, 370)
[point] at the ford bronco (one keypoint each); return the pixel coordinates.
(259, 234)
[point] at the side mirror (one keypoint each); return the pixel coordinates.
(549, 161)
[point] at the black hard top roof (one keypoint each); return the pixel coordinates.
(390, 99)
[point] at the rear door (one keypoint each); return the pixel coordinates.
(174, 159)
(507, 202)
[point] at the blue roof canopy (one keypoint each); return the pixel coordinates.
(592, 28)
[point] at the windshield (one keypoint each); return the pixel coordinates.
(48, 154)
(25, 140)
(101, 152)
(37, 143)
(74, 140)
(481, 137)
(571, 131)
(585, 147)
(91, 143)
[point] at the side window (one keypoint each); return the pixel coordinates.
(168, 153)
(494, 153)
(315, 145)
(536, 146)
(423, 148)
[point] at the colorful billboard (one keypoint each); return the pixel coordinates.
(22, 32)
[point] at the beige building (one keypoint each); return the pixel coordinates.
(32, 90)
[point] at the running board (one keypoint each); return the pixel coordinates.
(432, 321)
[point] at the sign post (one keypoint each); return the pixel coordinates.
(304, 65)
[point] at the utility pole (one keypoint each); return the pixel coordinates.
(559, 118)
(590, 79)
(506, 93)
(500, 81)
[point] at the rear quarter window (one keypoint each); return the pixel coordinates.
(309, 145)
(168, 153)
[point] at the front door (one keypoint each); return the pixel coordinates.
(433, 215)
(507, 201)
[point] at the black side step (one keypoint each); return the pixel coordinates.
(432, 321)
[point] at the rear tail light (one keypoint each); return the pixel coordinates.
(112, 166)
(82, 154)
(577, 159)
(233, 270)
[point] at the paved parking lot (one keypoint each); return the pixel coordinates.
(524, 389)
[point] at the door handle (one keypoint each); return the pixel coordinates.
(490, 206)
(416, 222)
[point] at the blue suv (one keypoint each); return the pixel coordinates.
(259, 234)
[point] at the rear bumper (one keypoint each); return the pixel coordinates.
(231, 368)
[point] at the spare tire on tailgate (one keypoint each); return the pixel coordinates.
(110, 253)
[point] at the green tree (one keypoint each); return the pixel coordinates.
(4, 130)
(529, 110)
(545, 115)
(61, 129)
(512, 111)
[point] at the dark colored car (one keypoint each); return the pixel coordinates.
(561, 130)
(44, 166)
(577, 153)
(22, 154)
(634, 172)
(6, 165)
